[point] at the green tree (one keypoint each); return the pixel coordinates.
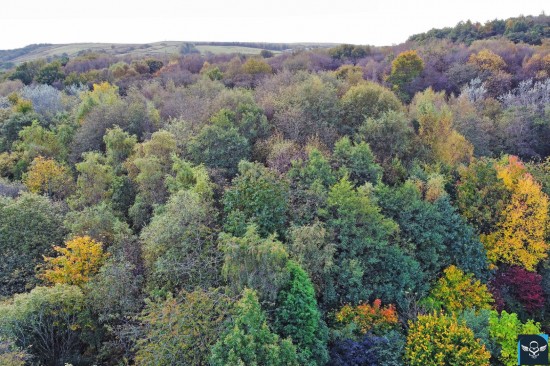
(249, 341)
(310, 246)
(357, 160)
(180, 331)
(49, 322)
(102, 224)
(404, 69)
(29, 226)
(363, 101)
(179, 246)
(94, 181)
(504, 329)
(297, 317)
(50, 73)
(119, 145)
(257, 196)
(481, 195)
(361, 234)
(254, 262)
(219, 145)
(439, 236)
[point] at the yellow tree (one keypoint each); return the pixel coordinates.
(436, 130)
(46, 176)
(81, 258)
(519, 238)
(486, 60)
(440, 340)
(457, 291)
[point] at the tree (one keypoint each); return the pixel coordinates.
(362, 237)
(256, 66)
(46, 176)
(435, 121)
(486, 60)
(441, 340)
(35, 140)
(504, 329)
(518, 290)
(148, 167)
(366, 318)
(310, 247)
(370, 350)
(356, 160)
(81, 258)
(102, 94)
(29, 226)
(100, 223)
(219, 146)
(390, 136)
(439, 235)
(94, 181)
(50, 73)
(519, 238)
(298, 318)
(456, 291)
(119, 145)
(181, 330)
(363, 101)
(404, 69)
(254, 262)
(481, 195)
(179, 247)
(49, 322)
(249, 341)
(257, 196)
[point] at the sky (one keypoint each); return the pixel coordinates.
(373, 22)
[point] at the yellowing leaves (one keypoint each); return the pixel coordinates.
(441, 340)
(46, 176)
(81, 258)
(457, 291)
(519, 238)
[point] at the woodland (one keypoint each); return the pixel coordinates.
(345, 205)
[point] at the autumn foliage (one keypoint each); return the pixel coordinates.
(441, 340)
(78, 261)
(368, 317)
(457, 291)
(519, 238)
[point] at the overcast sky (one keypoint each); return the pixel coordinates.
(375, 22)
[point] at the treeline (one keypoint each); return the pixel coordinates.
(351, 206)
(264, 45)
(527, 29)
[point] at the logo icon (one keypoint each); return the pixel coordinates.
(533, 349)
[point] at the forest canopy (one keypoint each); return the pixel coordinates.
(352, 205)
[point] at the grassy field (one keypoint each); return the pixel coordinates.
(8, 58)
(230, 49)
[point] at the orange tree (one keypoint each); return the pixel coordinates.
(368, 317)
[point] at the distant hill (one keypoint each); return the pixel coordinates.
(10, 58)
(527, 29)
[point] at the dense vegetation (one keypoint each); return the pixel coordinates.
(345, 206)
